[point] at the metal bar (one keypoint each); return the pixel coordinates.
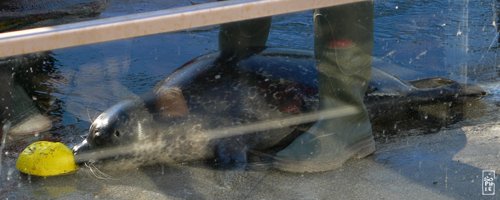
(169, 20)
(223, 133)
(282, 122)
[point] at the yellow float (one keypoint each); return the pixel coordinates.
(44, 158)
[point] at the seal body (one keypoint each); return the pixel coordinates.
(188, 114)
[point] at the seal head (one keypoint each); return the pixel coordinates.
(119, 125)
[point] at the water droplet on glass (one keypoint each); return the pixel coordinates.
(9, 174)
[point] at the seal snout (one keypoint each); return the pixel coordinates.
(82, 147)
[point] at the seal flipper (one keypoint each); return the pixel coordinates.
(431, 83)
(171, 102)
(230, 153)
(448, 87)
(465, 90)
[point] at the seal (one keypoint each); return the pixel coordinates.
(186, 116)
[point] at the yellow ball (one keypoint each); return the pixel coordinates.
(44, 158)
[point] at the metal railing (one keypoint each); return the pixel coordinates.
(169, 20)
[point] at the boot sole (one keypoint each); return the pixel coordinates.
(33, 125)
(358, 150)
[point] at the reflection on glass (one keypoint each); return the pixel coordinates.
(250, 106)
(27, 102)
(15, 15)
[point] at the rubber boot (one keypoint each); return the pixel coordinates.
(16, 106)
(239, 40)
(343, 45)
(24, 116)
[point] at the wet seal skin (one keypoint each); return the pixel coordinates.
(176, 122)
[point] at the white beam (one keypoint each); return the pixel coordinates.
(169, 20)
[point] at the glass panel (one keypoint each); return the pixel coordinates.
(272, 108)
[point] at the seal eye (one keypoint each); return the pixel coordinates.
(117, 133)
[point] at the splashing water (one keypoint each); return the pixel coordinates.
(226, 132)
(495, 38)
(463, 31)
(5, 130)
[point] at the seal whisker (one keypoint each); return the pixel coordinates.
(98, 173)
(88, 115)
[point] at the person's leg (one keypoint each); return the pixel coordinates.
(239, 40)
(16, 106)
(343, 46)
